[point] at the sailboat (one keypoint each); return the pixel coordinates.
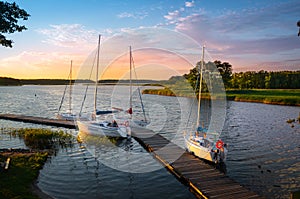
(68, 115)
(102, 128)
(201, 142)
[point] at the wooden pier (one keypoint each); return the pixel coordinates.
(39, 120)
(203, 179)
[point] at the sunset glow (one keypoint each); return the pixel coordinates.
(247, 35)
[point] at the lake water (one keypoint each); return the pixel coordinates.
(264, 150)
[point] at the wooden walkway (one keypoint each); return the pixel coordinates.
(202, 178)
(39, 120)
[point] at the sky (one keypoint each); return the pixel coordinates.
(166, 37)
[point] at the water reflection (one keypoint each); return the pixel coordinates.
(82, 172)
(121, 154)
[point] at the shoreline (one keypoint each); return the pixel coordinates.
(38, 192)
(287, 97)
(262, 102)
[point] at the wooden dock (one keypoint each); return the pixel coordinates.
(39, 120)
(203, 179)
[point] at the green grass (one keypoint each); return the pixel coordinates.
(23, 170)
(267, 96)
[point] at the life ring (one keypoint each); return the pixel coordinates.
(219, 144)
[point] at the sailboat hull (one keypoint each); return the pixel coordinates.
(200, 151)
(66, 116)
(101, 129)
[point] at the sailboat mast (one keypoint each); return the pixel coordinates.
(70, 92)
(130, 81)
(97, 71)
(200, 86)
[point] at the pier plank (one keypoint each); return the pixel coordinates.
(203, 178)
(39, 120)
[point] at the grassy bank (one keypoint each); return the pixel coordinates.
(24, 167)
(267, 96)
(173, 92)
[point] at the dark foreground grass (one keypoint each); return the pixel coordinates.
(18, 180)
(23, 170)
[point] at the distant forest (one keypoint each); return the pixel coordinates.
(250, 79)
(6, 81)
(265, 80)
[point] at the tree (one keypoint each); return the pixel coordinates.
(225, 70)
(192, 76)
(209, 76)
(9, 15)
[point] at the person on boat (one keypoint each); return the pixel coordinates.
(128, 130)
(223, 153)
(114, 123)
(216, 156)
(206, 141)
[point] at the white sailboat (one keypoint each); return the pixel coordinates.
(202, 143)
(102, 128)
(67, 115)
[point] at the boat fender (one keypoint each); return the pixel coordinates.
(219, 144)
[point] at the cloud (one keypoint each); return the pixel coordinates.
(125, 15)
(189, 4)
(172, 15)
(137, 15)
(249, 35)
(69, 35)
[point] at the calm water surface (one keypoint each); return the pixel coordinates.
(264, 150)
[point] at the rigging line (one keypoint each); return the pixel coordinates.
(194, 99)
(139, 91)
(130, 82)
(63, 97)
(87, 86)
(70, 93)
(97, 73)
(200, 87)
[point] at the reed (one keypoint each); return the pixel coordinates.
(44, 138)
(267, 96)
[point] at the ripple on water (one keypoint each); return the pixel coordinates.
(263, 155)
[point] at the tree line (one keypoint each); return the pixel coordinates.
(245, 80)
(265, 80)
